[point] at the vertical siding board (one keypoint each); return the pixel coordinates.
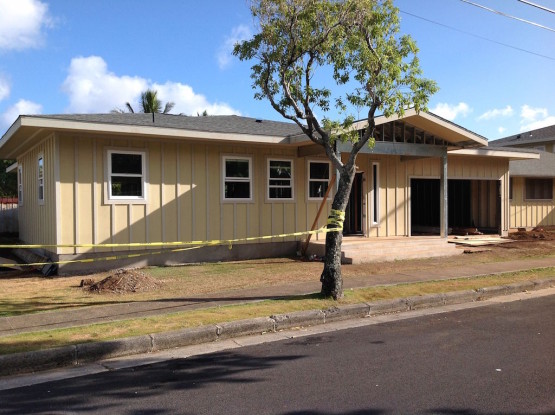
(169, 163)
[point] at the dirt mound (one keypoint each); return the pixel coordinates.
(123, 281)
(546, 233)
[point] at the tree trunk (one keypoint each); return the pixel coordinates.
(331, 279)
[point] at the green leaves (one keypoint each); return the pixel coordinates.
(314, 56)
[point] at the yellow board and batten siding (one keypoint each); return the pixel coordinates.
(183, 195)
(530, 213)
(37, 221)
(394, 188)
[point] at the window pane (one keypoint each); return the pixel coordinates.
(127, 186)
(274, 182)
(280, 193)
(317, 189)
(319, 170)
(541, 189)
(280, 169)
(237, 190)
(237, 168)
(127, 163)
(41, 166)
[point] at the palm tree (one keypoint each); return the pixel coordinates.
(149, 104)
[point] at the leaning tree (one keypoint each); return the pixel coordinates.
(318, 57)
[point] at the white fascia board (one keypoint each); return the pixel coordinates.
(13, 128)
(12, 167)
(147, 131)
(513, 155)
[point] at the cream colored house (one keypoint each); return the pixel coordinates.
(144, 178)
(532, 182)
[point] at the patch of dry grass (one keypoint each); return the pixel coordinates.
(175, 321)
(22, 293)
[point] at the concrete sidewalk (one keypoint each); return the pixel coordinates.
(115, 312)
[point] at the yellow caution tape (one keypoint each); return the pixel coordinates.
(336, 218)
(196, 245)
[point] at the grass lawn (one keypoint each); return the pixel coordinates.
(175, 321)
(26, 292)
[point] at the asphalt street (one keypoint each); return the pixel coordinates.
(497, 359)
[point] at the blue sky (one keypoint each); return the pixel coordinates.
(68, 56)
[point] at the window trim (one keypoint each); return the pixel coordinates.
(375, 194)
(291, 185)
(309, 180)
(20, 185)
(40, 179)
(249, 179)
(526, 179)
(111, 199)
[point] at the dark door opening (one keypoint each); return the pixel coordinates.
(472, 205)
(424, 207)
(353, 213)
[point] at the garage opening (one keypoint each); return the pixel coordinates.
(474, 206)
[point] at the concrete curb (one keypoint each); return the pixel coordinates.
(89, 352)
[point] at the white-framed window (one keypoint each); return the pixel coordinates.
(375, 194)
(126, 175)
(40, 178)
(319, 173)
(280, 179)
(20, 185)
(237, 178)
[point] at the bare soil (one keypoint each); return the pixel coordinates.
(122, 281)
(546, 233)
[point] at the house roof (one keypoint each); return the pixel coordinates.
(505, 152)
(29, 129)
(544, 167)
(528, 138)
(436, 125)
(214, 123)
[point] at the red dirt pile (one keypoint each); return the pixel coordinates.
(122, 281)
(546, 233)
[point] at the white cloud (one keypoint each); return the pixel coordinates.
(534, 118)
(92, 88)
(188, 102)
(534, 125)
(22, 23)
(530, 114)
(497, 112)
(450, 112)
(501, 130)
(4, 88)
(22, 107)
(238, 34)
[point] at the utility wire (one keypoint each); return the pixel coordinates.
(478, 36)
(539, 6)
(508, 15)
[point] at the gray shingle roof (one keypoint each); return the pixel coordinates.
(215, 123)
(528, 138)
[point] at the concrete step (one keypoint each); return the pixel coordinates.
(381, 249)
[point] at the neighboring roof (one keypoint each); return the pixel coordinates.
(544, 167)
(527, 138)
